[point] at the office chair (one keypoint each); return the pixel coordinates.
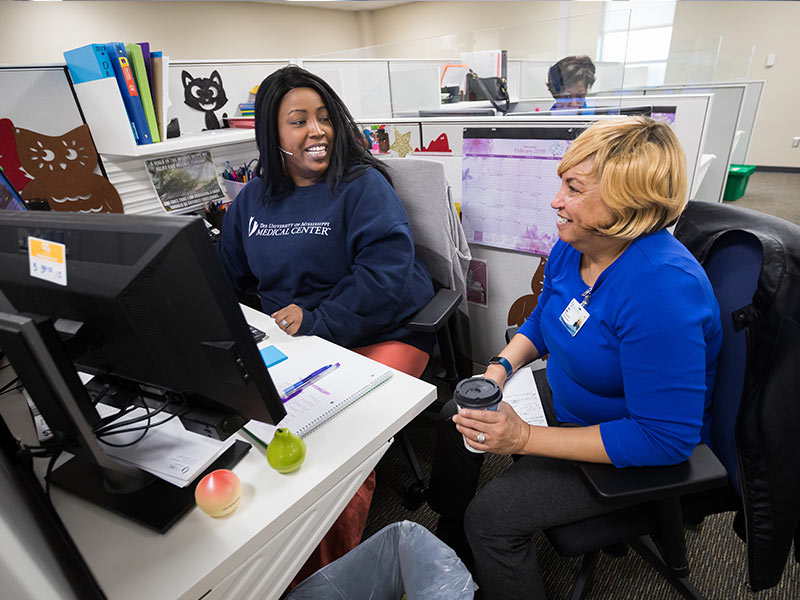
(736, 247)
(440, 243)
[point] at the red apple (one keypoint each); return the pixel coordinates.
(218, 493)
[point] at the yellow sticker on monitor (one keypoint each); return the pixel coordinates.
(47, 260)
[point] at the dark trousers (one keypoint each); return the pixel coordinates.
(500, 521)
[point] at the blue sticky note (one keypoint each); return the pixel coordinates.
(272, 356)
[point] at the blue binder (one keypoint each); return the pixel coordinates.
(89, 63)
(129, 91)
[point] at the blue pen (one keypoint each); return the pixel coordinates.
(296, 388)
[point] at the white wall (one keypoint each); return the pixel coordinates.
(33, 32)
(769, 26)
(772, 28)
(36, 32)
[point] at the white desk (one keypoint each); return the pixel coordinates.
(257, 550)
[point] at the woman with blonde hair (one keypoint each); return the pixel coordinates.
(632, 329)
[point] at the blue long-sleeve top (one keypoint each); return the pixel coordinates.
(643, 364)
(346, 258)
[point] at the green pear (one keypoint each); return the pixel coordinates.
(286, 452)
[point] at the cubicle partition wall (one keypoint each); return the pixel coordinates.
(753, 91)
(730, 126)
(378, 88)
(527, 78)
(237, 78)
(509, 271)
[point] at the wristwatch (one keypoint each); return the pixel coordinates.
(501, 360)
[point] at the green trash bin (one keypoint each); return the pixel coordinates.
(738, 175)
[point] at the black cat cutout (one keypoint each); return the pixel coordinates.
(204, 94)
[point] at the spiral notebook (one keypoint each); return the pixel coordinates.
(354, 378)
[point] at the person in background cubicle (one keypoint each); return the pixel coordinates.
(322, 236)
(632, 329)
(569, 80)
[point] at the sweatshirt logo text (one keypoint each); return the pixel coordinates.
(280, 229)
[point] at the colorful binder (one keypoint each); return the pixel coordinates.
(88, 63)
(158, 88)
(147, 55)
(130, 93)
(140, 73)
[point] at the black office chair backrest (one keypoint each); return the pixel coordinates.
(733, 266)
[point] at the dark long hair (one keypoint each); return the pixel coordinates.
(348, 157)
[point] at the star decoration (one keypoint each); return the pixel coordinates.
(402, 143)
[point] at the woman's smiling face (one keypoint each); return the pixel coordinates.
(305, 135)
(579, 205)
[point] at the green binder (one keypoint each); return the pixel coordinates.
(140, 74)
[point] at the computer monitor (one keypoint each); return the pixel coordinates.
(9, 197)
(144, 304)
(475, 111)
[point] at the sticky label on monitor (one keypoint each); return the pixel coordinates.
(47, 260)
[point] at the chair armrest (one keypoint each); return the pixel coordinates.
(702, 471)
(435, 313)
(511, 332)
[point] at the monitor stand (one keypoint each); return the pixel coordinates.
(43, 366)
(157, 505)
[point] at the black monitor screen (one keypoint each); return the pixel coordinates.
(140, 300)
(9, 198)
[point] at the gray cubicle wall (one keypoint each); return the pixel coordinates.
(729, 114)
(753, 92)
(510, 272)
(722, 126)
(380, 88)
(39, 98)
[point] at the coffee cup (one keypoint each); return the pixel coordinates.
(477, 393)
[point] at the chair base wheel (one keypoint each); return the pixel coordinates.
(415, 496)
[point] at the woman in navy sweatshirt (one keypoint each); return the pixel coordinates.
(322, 236)
(320, 233)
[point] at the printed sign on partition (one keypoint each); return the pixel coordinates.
(184, 181)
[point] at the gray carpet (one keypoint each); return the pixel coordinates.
(717, 556)
(773, 193)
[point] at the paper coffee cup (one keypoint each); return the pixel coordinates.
(477, 393)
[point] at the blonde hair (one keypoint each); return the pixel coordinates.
(642, 171)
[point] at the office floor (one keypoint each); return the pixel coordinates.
(773, 193)
(717, 556)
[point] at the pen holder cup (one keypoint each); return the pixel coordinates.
(231, 188)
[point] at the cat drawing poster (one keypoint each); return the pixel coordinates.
(205, 94)
(62, 168)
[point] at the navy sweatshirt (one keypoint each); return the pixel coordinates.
(346, 258)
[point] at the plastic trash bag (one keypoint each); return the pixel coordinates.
(402, 558)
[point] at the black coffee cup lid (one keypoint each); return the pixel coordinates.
(477, 392)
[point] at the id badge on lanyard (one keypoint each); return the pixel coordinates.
(574, 317)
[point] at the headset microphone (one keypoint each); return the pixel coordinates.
(285, 151)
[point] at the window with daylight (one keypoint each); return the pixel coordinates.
(638, 33)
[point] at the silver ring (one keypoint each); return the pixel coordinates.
(284, 323)
(481, 438)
